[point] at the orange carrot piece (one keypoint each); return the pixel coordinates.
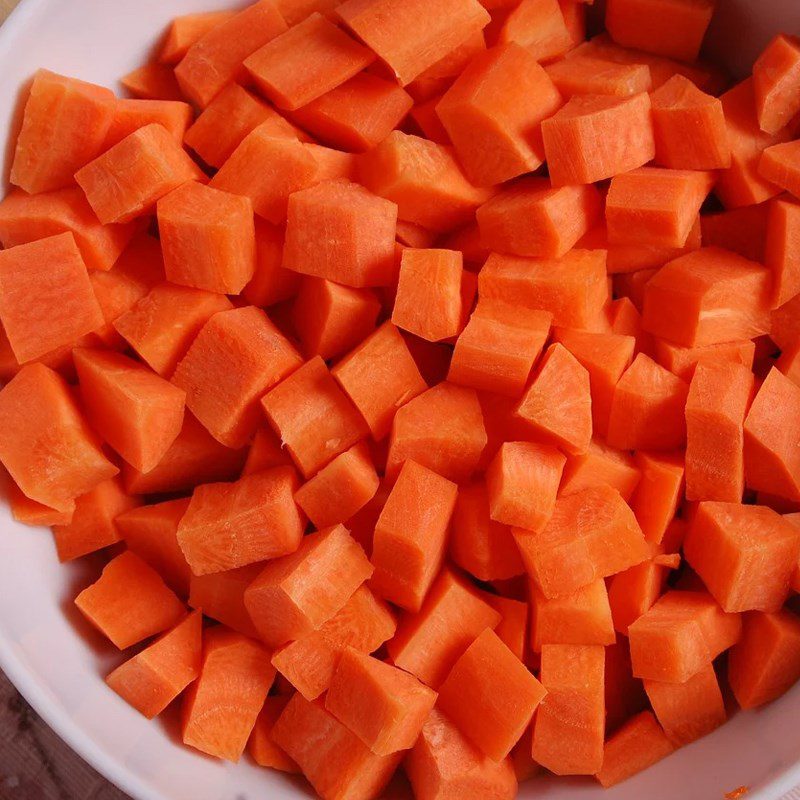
(271, 283)
(573, 136)
(187, 29)
(424, 179)
(587, 75)
(624, 694)
(690, 710)
(574, 289)
(683, 361)
(153, 678)
(441, 429)
(785, 324)
(29, 512)
(539, 26)
(429, 33)
(410, 535)
(261, 747)
(220, 596)
(428, 123)
(719, 396)
(92, 526)
(592, 534)
(294, 11)
(580, 618)
(780, 254)
(659, 492)
(742, 230)
(262, 357)
(152, 81)
(513, 627)
(63, 128)
(775, 76)
(570, 724)
(780, 164)
(637, 745)
(682, 633)
(265, 452)
(129, 602)
(47, 446)
(533, 219)
(771, 459)
(130, 115)
(493, 112)
(634, 592)
(444, 763)
(601, 464)
(334, 760)
(557, 405)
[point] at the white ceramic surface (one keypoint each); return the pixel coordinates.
(57, 662)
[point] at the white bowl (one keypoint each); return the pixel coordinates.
(58, 662)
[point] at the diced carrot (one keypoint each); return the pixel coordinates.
(444, 763)
(746, 555)
(513, 627)
(741, 184)
(294, 11)
(358, 114)
(592, 534)
(450, 65)
(64, 127)
(584, 141)
(428, 33)
(261, 508)
(683, 361)
(601, 464)
(493, 112)
(423, 178)
(742, 230)
(659, 492)
(580, 618)
(574, 289)
(271, 282)
(334, 760)
(719, 396)
(675, 29)
(153, 678)
(557, 405)
(29, 512)
(194, 457)
(152, 81)
(129, 602)
(782, 232)
(92, 526)
(775, 76)
(267, 168)
(690, 710)
(130, 115)
(241, 342)
(46, 298)
(468, 241)
(765, 663)
(533, 219)
(185, 30)
(128, 179)
(635, 591)
(780, 164)
(586, 75)
(265, 452)
(341, 489)
(785, 324)
(771, 457)
(625, 695)
(655, 206)
(220, 709)
(138, 413)
(261, 747)
(682, 633)
(540, 27)
(647, 412)
(639, 744)
(632, 285)
(441, 429)
(220, 596)
(428, 123)
(493, 722)
(151, 531)
(47, 446)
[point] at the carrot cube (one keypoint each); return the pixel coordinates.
(357, 248)
(637, 745)
(540, 26)
(271, 283)
(682, 633)
(493, 722)
(151, 532)
(765, 662)
(600, 464)
(129, 602)
(220, 709)
(592, 534)
(261, 747)
(780, 164)
(429, 33)
(334, 760)
(185, 30)
(775, 76)
(442, 429)
(152, 679)
(63, 128)
(216, 59)
(587, 75)
(46, 298)
(132, 114)
(523, 481)
(444, 763)
(496, 135)
(683, 361)
(428, 302)
(220, 595)
(782, 230)
(634, 592)
(659, 492)
(573, 137)
(557, 405)
(745, 555)
(47, 446)
(29, 512)
(424, 179)
(574, 289)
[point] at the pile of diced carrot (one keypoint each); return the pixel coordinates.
(427, 376)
